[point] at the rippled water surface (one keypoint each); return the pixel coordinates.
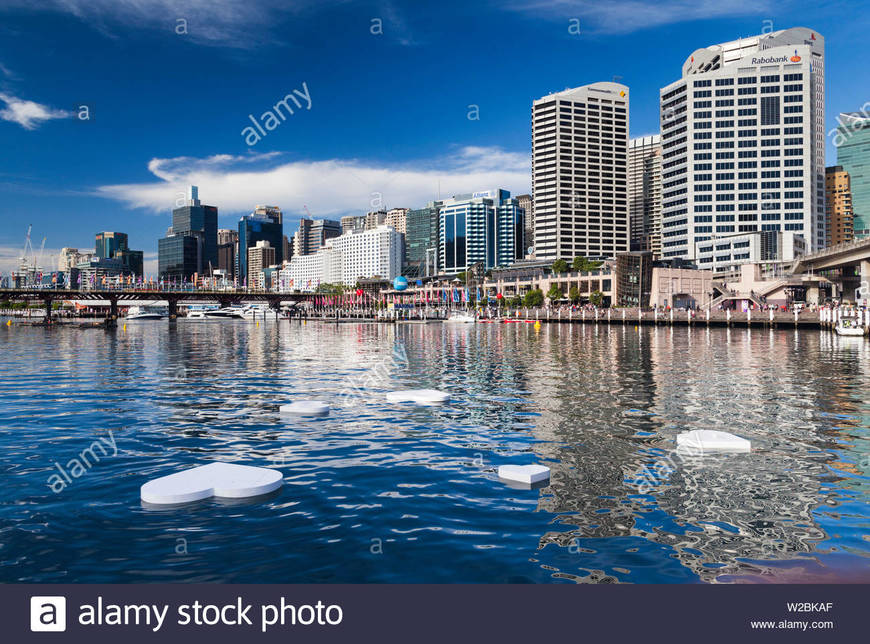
(379, 492)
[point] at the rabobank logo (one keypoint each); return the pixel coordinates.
(774, 60)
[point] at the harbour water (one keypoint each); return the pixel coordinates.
(380, 492)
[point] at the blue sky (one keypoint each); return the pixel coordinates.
(387, 121)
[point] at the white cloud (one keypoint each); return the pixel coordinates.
(28, 114)
(329, 188)
(244, 24)
(627, 16)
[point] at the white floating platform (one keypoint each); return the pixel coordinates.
(423, 396)
(528, 474)
(224, 480)
(711, 440)
(306, 408)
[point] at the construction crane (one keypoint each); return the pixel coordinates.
(38, 263)
(308, 212)
(27, 245)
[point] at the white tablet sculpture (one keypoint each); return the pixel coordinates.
(222, 480)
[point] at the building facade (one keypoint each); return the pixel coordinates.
(725, 254)
(526, 203)
(352, 222)
(397, 219)
(483, 227)
(265, 225)
(839, 223)
(313, 233)
(113, 245)
(422, 254)
(645, 194)
(260, 256)
(190, 245)
(853, 154)
(358, 254)
(579, 172)
(743, 144)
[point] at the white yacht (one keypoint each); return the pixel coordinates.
(145, 313)
(849, 323)
(461, 317)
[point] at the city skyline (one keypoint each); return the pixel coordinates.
(342, 148)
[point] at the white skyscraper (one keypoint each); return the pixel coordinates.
(645, 193)
(743, 144)
(579, 167)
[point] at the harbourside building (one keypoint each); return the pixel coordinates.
(397, 219)
(228, 243)
(422, 254)
(853, 154)
(579, 172)
(484, 227)
(358, 254)
(743, 142)
(71, 257)
(725, 253)
(313, 233)
(260, 256)
(352, 222)
(526, 203)
(645, 194)
(113, 245)
(190, 245)
(839, 218)
(265, 223)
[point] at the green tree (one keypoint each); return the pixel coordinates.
(574, 294)
(596, 297)
(555, 293)
(560, 266)
(534, 298)
(583, 265)
(331, 289)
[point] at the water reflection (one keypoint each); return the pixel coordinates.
(599, 405)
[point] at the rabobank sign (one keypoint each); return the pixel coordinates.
(770, 60)
(776, 60)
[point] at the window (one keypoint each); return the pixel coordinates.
(770, 110)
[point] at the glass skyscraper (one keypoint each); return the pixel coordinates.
(853, 153)
(421, 240)
(257, 227)
(193, 225)
(484, 227)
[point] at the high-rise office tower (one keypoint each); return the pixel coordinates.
(839, 224)
(483, 227)
(113, 245)
(228, 242)
(743, 142)
(195, 219)
(349, 223)
(525, 202)
(312, 234)
(375, 218)
(853, 154)
(273, 212)
(107, 243)
(645, 194)
(264, 224)
(396, 219)
(579, 167)
(259, 256)
(421, 241)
